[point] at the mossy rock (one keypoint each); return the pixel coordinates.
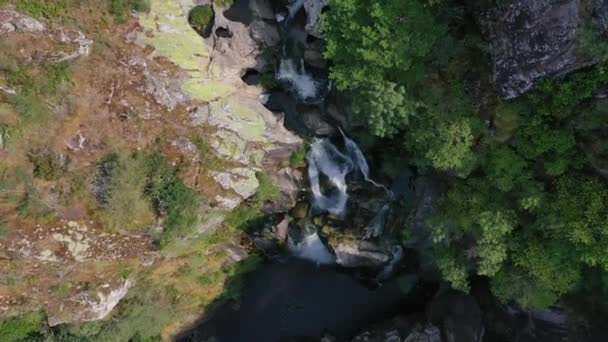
(201, 19)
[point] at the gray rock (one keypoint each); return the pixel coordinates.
(164, 93)
(356, 254)
(264, 33)
(532, 40)
(262, 9)
(240, 180)
(313, 10)
(600, 15)
(16, 22)
(313, 120)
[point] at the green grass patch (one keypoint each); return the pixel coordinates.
(249, 216)
(298, 158)
(208, 159)
(171, 196)
(22, 328)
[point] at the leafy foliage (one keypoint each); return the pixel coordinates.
(22, 328)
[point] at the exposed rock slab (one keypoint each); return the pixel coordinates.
(532, 40)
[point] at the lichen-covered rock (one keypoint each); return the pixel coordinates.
(534, 39)
(11, 21)
(240, 180)
(91, 305)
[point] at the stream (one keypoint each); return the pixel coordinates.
(312, 289)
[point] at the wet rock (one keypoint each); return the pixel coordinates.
(313, 10)
(281, 229)
(264, 33)
(262, 9)
(532, 40)
(360, 254)
(458, 315)
(315, 123)
(600, 15)
(315, 58)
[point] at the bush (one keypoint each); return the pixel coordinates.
(171, 196)
(118, 10)
(50, 10)
(200, 17)
(141, 6)
(47, 165)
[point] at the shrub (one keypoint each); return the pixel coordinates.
(200, 17)
(170, 195)
(118, 10)
(50, 10)
(141, 6)
(47, 165)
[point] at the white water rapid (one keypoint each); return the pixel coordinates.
(324, 158)
(313, 249)
(303, 84)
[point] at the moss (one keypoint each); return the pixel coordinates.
(200, 17)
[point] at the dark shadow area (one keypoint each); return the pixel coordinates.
(296, 299)
(223, 32)
(251, 77)
(239, 12)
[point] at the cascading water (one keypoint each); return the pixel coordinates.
(311, 248)
(324, 158)
(302, 84)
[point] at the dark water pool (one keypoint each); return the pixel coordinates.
(298, 299)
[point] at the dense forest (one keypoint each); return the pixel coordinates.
(527, 200)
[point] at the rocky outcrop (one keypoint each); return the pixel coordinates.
(11, 21)
(91, 305)
(245, 133)
(534, 39)
(66, 45)
(313, 10)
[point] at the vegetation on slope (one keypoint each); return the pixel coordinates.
(528, 207)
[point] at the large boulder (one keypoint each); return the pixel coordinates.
(534, 39)
(313, 10)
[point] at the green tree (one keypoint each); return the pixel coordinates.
(505, 168)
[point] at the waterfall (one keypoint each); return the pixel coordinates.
(357, 156)
(389, 269)
(302, 84)
(375, 227)
(325, 158)
(311, 248)
(294, 7)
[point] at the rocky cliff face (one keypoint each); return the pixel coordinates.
(536, 39)
(152, 77)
